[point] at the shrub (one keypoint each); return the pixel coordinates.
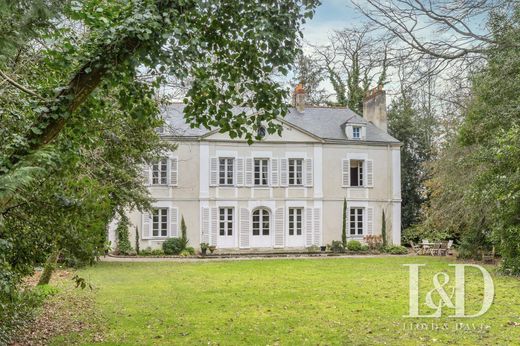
(146, 252)
(354, 245)
(374, 242)
(396, 250)
(313, 248)
(136, 241)
(174, 246)
(123, 246)
(157, 252)
(189, 251)
(365, 247)
(337, 246)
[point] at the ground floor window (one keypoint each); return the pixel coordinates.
(261, 222)
(160, 222)
(356, 221)
(295, 221)
(226, 221)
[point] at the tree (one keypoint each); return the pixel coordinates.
(344, 224)
(309, 73)
(383, 229)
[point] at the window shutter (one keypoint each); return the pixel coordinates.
(308, 172)
(370, 221)
(146, 225)
(174, 222)
(279, 228)
(370, 173)
(284, 179)
(345, 166)
(275, 172)
(308, 226)
(249, 171)
(204, 225)
(213, 171)
(147, 175)
(214, 225)
(244, 228)
(173, 172)
(317, 228)
(239, 169)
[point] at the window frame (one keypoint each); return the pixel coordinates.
(356, 226)
(162, 215)
(225, 221)
(354, 130)
(295, 226)
(259, 226)
(263, 172)
(227, 170)
(360, 173)
(161, 167)
(295, 164)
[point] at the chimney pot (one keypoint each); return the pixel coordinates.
(299, 98)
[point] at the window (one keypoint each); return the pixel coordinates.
(160, 172)
(261, 132)
(356, 173)
(262, 172)
(356, 221)
(356, 132)
(160, 222)
(295, 172)
(226, 221)
(295, 221)
(226, 171)
(261, 222)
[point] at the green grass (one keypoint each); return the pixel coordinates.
(357, 301)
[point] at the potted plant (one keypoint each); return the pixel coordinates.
(204, 248)
(323, 248)
(212, 248)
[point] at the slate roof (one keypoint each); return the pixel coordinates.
(328, 123)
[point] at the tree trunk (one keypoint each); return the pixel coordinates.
(50, 265)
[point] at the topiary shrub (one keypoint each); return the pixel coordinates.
(354, 245)
(123, 246)
(174, 246)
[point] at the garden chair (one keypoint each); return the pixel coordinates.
(448, 250)
(443, 249)
(435, 249)
(425, 246)
(489, 257)
(416, 248)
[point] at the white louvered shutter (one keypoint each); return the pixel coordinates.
(214, 226)
(213, 171)
(370, 173)
(279, 228)
(174, 222)
(249, 171)
(204, 215)
(147, 175)
(317, 228)
(284, 174)
(308, 226)
(244, 228)
(370, 221)
(239, 169)
(146, 226)
(309, 173)
(345, 169)
(173, 172)
(275, 172)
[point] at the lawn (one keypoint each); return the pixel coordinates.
(358, 301)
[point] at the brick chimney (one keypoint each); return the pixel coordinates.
(374, 108)
(299, 98)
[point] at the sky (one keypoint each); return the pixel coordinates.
(330, 15)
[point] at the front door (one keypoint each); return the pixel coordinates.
(295, 237)
(226, 232)
(261, 230)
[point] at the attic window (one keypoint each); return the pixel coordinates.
(356, 132)
(261, 132)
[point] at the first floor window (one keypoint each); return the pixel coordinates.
(225, 171)
(356, 221)
(226, 221)
(160, 172)
(160, 222)
(261, 222)
(295, 172)
(295, 221)
(262, 172)
(356, 173)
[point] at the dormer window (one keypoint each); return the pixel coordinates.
(356, 132)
